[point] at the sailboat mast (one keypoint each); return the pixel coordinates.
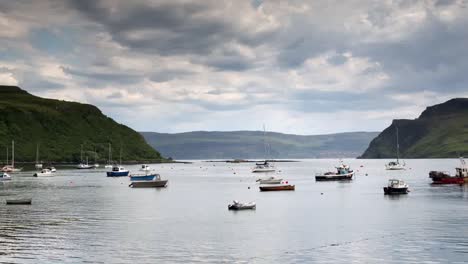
(398, 146)
(120, 159)
(110, 154)
(81, 153)
(264, 142)
(37, 153)
(13, 153)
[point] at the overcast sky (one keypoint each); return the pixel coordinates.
(304, 67)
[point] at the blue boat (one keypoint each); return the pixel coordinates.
(144, 177)
(118, 171)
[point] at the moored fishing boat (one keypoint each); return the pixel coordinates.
(396, 186)
(271, 180)
(144, 177)
(236, 205)
(281, 187)
(43, 173)
(155, 183)
(343, 172)
(118, 171)
(4, 176)
(442, 177)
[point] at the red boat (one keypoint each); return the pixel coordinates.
(442, 177)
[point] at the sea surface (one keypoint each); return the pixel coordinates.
(85, 217)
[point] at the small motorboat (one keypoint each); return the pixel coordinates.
(43, 173)
(443, 177)
(271, 180)
(118, 171)
(263, 167)
(4, 176)
(236, 205)
(144, 177)
(145, 167)
(83, 166)
(282, 187)
(19, 201)
(52, 169)
(343, 172)
(10, 168)
(155, 183)
(396, 186)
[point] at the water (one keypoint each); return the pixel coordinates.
(85, 217)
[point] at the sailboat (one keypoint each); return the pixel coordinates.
(83, 166)
(118, 170)
(109, 162)
(37, 165)
(11, 168)
(96, 165)
(396, 165)
(264, 166)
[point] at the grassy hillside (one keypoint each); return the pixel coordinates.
(441, 131)
(249, 145)
(60, 128)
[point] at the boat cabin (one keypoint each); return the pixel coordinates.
(395, 183)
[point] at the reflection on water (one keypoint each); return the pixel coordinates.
(85, 217)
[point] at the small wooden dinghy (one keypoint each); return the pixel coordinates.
(19, 201)
(149, 184)
(236, 205)
(285, 187)
(271, 180)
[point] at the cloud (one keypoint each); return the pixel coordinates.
(221, 65)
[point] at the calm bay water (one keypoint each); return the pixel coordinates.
(85, 217)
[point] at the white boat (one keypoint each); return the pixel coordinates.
(236, 205)
(145, 167)
(396, 186)
(343, 172)
(52, 169)
(82, 165)
(38, 165)
(271, 180)
(4, 176)
(396, 165)
(43, 173)
(263, 167)
(11, 168)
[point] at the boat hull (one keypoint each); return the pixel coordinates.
(117, 173)
(335, 177)
(263, 170)
(390, 190)
(439, 177)
(272, 181)
(149, 184)
(142, 177)
(236, 207)
(19, 201)
(277, 188)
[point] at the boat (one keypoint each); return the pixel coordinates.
(144, 177)
(442, 177)
(155, 183)
(11, 168)
(281, 187)
(38, 165)
(263, 167)
(109, 162)
(43, 173)
(271, 180)
(118, 171)
(19, 201)
(52, 169)
(82, 165)
(236, 205)
(95, 165)
(145, 167)
(343, 172)
(396, 165)
(4, 176)
(396, 186)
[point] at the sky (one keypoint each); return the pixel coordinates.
(301, 67)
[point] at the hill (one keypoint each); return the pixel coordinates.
(60, 128)
(249, 145)
(441, 131)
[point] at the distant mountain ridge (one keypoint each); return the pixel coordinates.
(441, 131)
(60, 127)
(250, 144)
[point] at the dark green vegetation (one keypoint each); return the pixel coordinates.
(60, 128)
(441, 131)
(249, 145)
